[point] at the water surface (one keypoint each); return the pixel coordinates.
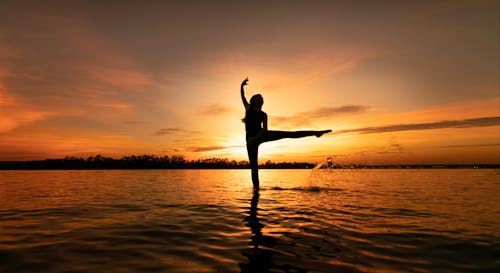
(211, 221)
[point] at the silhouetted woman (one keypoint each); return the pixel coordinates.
(256, 131)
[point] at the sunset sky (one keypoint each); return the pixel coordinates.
(397, 81)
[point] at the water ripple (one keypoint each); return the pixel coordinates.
(157, 221)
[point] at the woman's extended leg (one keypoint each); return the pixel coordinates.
(253, 148)
(275, 135)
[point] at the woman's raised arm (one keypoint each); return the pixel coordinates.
(245, 102)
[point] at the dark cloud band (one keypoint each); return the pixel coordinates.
(465, 123)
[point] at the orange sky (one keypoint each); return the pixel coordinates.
(397, 81)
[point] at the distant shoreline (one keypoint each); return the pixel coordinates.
(57, 165)
(133, 162)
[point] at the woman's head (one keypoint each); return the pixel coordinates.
(256, 101)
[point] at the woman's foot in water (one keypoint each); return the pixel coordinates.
(320, 133)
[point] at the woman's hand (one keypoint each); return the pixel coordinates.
(245, 82)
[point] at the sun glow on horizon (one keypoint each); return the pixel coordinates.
(396, 82)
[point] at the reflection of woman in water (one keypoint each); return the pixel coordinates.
(256, 131)
(260, 259)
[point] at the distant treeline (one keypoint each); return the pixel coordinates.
(417, 166)
(142, 162)
(179, 162)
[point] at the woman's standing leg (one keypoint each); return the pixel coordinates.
(253, 153)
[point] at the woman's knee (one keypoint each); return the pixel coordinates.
(252, 152)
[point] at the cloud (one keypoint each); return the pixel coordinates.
(304, 118)
(465, 123)
(472, 145)
(205, 149)
(81, 65)
(16, 113)
(216, 109)
(112, 105)
(393, 148)
(169, 131)
(136, 122)
(174, 130)
(119, 77)
(280, 69)
(13, 118)
(211, 148)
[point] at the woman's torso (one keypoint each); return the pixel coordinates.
(253, 121)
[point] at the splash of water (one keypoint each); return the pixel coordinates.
(319, 173)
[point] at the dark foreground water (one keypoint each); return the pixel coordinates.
(210, 221)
